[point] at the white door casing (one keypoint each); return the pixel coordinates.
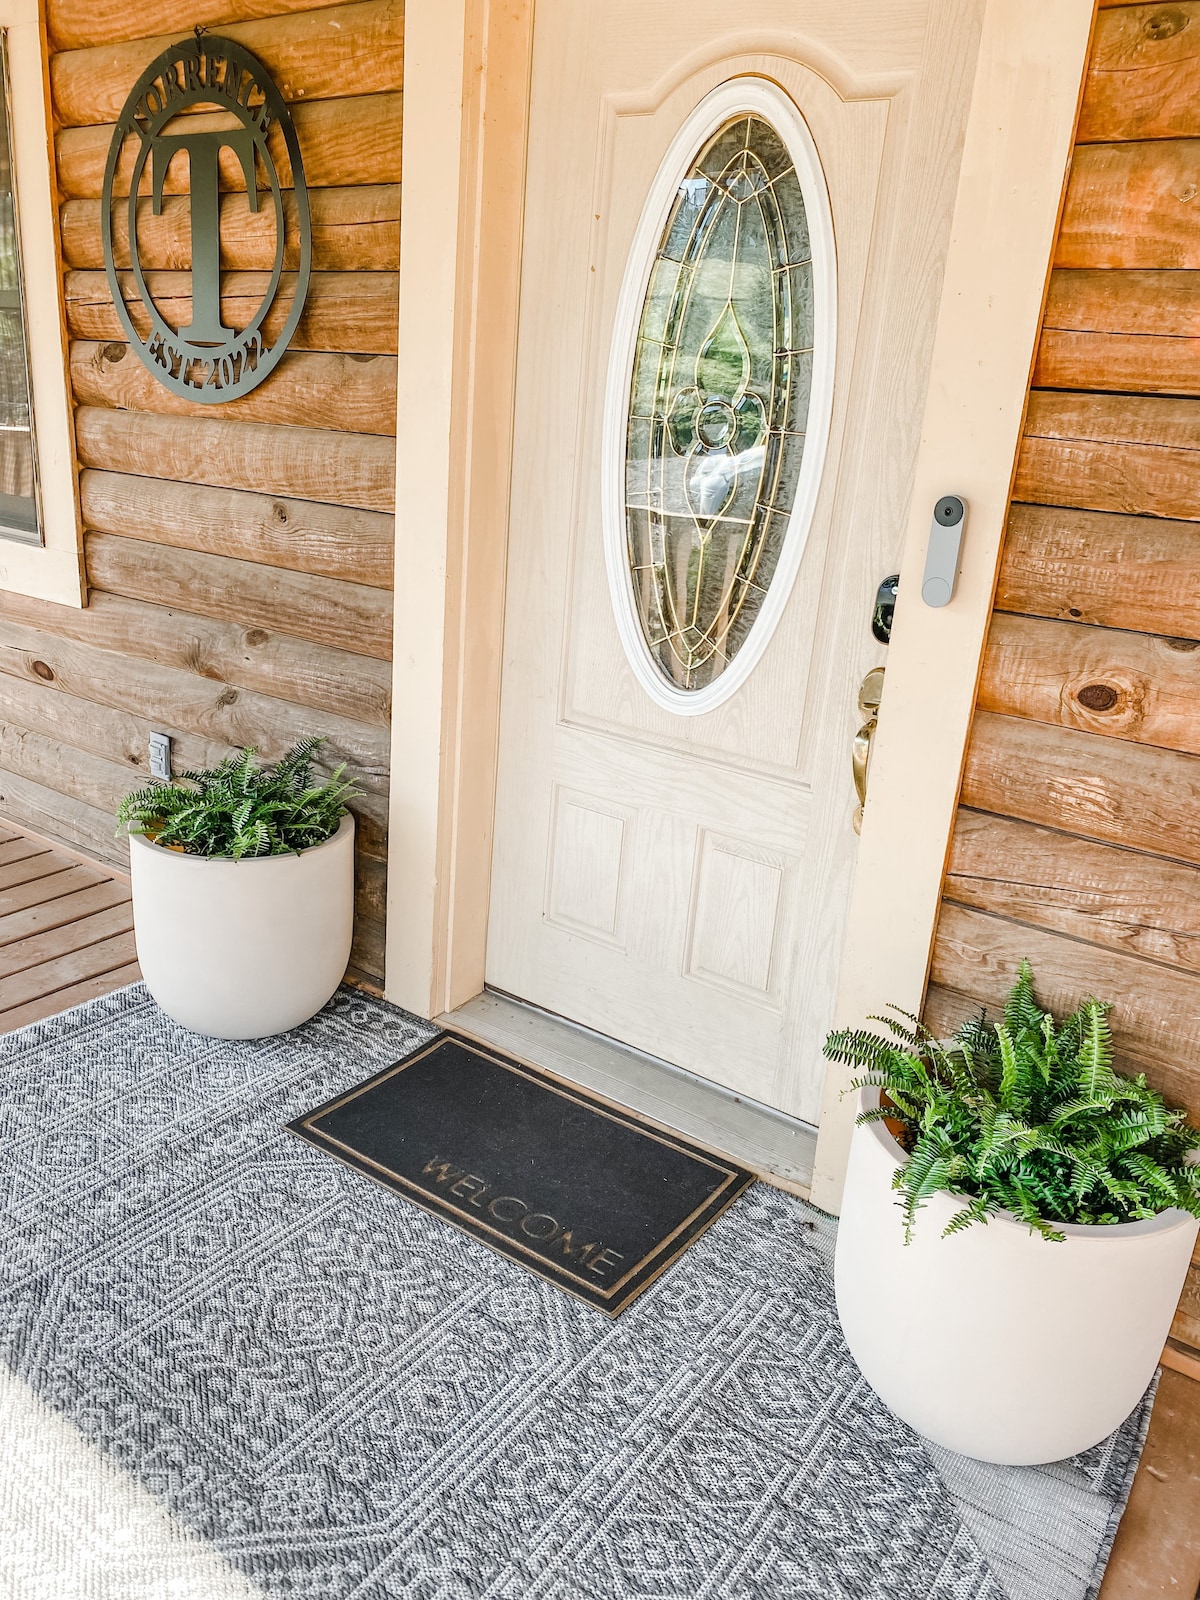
(681, 882)
(467, 74)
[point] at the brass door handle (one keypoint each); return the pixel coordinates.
(869, 696)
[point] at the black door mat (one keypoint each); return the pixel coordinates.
(576, 1190)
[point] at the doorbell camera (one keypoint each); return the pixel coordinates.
(944, 552)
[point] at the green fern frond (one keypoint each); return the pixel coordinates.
(1026, 1116)
(239, 809)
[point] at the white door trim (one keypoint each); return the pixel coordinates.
(1016, 155)
(466, 93)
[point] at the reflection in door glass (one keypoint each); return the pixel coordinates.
(719, 401)
(18, 496)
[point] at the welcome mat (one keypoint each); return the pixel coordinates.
(573, 1188)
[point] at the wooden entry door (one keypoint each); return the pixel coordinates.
(674, 840)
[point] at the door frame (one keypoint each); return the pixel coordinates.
(467, 81)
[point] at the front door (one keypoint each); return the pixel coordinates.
(735, 226)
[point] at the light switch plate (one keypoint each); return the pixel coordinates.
(160, 755)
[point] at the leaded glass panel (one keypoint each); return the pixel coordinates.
(719, 401)
(18, 492)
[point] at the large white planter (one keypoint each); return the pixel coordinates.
(994, 1342)
(243, 949)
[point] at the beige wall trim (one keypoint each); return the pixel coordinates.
(1018, 145)
(54, 570)
(466, 75)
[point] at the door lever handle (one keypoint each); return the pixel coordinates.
(870, 694)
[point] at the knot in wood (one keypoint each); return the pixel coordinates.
(114, 352)
(1098, 696)
(256, 636)
(227, 697)
(1165, 24)
(44, 671)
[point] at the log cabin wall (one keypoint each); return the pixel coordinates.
(1078, 838)
(239, 556)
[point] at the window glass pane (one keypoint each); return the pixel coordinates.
(18, 487)
(719, 401)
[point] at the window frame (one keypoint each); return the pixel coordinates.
(52, 570)
(759, 97)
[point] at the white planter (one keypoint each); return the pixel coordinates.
(243, 949)
(994, 1342)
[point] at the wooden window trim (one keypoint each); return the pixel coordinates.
(54, 569)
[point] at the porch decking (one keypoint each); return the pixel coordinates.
(66, 930)
(66, 936)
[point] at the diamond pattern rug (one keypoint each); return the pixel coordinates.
(347, 1399)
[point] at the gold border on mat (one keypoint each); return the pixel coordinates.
(719, 1200)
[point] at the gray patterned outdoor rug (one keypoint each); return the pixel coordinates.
(349, 1400)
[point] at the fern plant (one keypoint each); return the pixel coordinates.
(1024, 1115)
(241, 808)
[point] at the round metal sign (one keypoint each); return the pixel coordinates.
(206, 360)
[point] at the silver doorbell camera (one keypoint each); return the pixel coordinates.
(944, 552)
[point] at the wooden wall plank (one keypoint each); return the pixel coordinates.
(351, 141)
(1145, 480)
(1130, 362)
(63, 816)
(355, 394)
(209, 719)
(1090, 566)
(1166, 304)
(44, 761)
(1186, 1325)
(353, 230)
(77, 724)
(73, 24)
(1137, 332)
(1115, 419)
(347, 616)
(1131, 453)
(230, 654)
(1125, 685)
(311, 55)
(1106, 789)
(300, 463)
(31, 765)
(343, 311)
(1117, 898)
(300, 535)
(1142, 74)
(1130, 205)
(1156, 1010)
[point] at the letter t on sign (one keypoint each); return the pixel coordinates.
(204, 158)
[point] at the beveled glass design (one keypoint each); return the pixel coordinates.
(18, 483)
(719, 402)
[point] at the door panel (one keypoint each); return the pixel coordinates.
(680, 882)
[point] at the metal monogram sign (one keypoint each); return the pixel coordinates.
(206, 360)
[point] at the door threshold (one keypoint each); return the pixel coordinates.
(777, 1148)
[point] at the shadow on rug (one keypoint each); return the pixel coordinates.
(350, 1400)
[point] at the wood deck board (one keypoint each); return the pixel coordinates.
(65, 930)
(1157, 1548)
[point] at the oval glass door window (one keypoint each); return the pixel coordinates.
(729, 387)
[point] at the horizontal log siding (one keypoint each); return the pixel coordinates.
(239, 557)
(1077, 842)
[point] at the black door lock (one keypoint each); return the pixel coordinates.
(885, 608)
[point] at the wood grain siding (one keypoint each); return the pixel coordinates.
(1077, 841)
(239, 557)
